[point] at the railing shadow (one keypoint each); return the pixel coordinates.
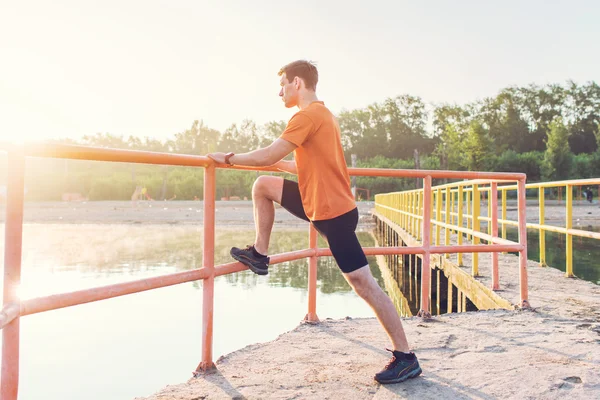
(216, 378)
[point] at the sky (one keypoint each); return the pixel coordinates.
(150, 68)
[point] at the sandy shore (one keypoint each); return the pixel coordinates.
(235, 213)
(227, 213)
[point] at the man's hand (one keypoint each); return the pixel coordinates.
(217, 157)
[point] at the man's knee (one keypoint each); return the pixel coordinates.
(269, 187)
(260, 184)
(361, 281)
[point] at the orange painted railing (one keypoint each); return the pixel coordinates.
(13, 308)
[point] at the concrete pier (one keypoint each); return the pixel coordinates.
(549, 352)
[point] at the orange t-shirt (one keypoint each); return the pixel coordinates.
(323, 177)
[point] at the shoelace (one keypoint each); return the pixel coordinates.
(392, 363)
(251, 249)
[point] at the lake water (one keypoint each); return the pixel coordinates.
(137, 344)
(586, 252)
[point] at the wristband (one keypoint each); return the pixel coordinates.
(227, 157)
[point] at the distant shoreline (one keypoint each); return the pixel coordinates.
(227, 213)
(240, 213)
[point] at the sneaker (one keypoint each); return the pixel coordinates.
(258, 265)
(401, 367)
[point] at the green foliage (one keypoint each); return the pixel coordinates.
(528, 163)
(394, 128)
(476, 148)
(585, 166)
(558, 158)
(385, 185)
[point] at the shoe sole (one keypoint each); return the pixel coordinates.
(410, 375)
(247, 263)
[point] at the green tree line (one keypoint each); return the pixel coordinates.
(548, 131)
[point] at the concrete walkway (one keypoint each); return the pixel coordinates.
(552, 351)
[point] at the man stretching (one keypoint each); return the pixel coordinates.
(322, 197)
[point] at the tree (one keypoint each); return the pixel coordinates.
(583, 114)
(477, 148)
(507, 127)
(198, 140)
(539, 106)
(450, 123)
(558, 158)
(406, 119)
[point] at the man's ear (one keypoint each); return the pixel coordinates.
(297, 83)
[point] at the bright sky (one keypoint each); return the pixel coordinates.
(149, 68)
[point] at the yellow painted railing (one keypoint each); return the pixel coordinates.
(457, 209)
(542, 227)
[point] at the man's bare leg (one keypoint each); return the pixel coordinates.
(266, 190)
(366, 287)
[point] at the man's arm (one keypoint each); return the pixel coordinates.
(264, 157)
(287, 166)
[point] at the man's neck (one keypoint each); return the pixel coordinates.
(306, 99)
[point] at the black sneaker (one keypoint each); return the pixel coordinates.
(258, 265)
(401, 367)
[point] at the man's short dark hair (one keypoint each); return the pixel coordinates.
(307, 70)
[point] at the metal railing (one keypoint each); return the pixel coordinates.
(542, 226)
(457, 209)
(410, 211)
(14, 308)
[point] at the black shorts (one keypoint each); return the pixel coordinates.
(339, 231)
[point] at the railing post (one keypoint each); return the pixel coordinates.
(523, 242)
(402, 209)
(413, 211)
(397, 212)
(425, 262)
(450, 298)
(542, 231)
(469, 212)
(12, 273)
(460, 222)
(431, 214)
(312, 277)
(504, 215)
(409, 211)
(420, 202)
(438, 215)
(405, 203)
(569, 237)
(208, 260)
(447, 220)
(489, 210)
(493, 208)
(476, 240)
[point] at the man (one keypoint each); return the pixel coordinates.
(323, 197)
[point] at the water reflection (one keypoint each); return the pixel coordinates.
(142, 342)
(402, 280)
(293, 274)
(136, 251)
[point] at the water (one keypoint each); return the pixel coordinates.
(137, 344)
(586, 252)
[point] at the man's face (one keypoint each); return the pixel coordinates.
(289, 91)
